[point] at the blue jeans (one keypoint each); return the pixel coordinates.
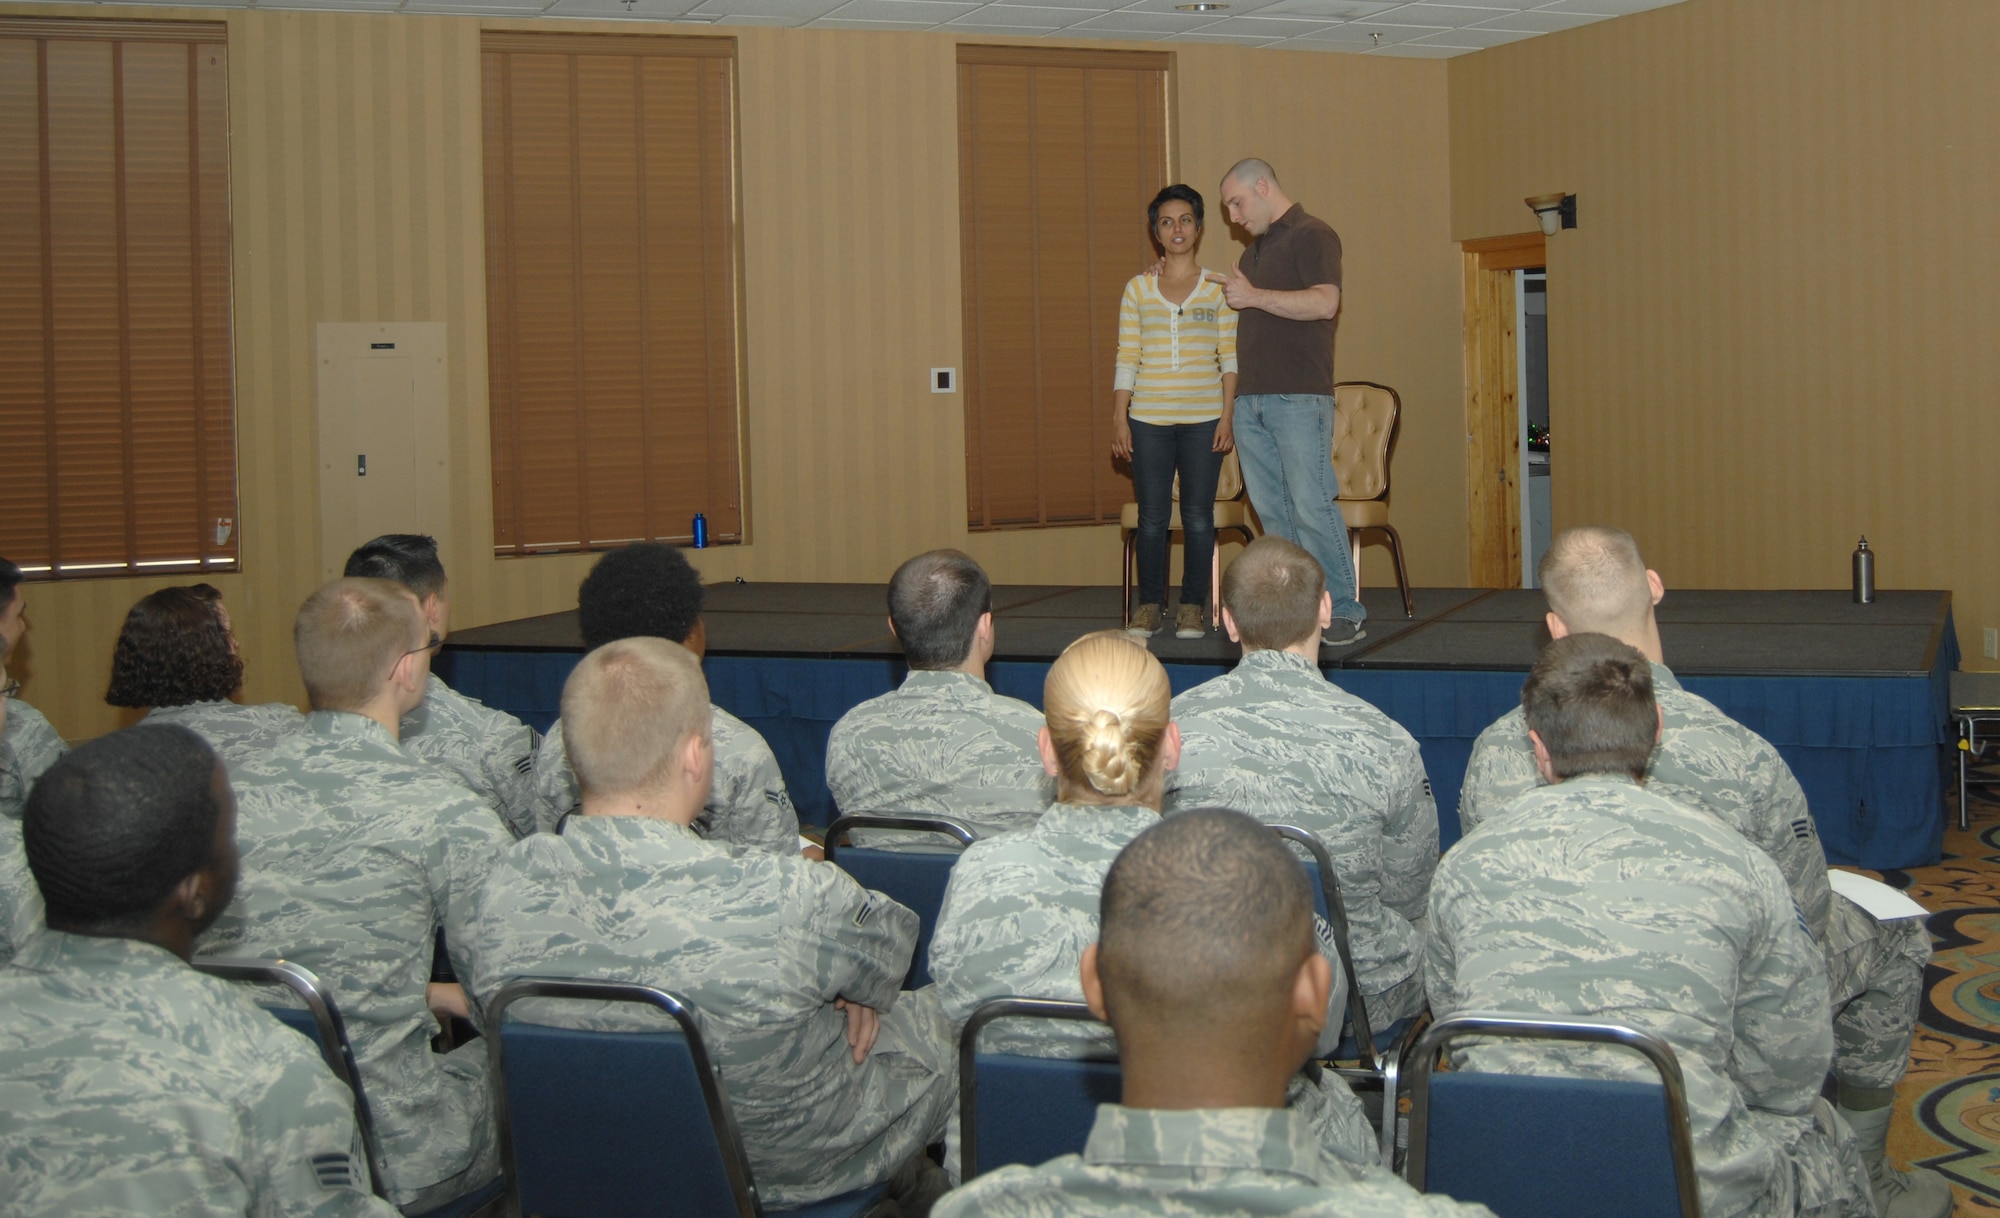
(1157, 451)
(1284, 442)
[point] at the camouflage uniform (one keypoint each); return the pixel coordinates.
(762, 944)
(20, 899)
(234, 731)
(1017, 915)
(748, 803)
(1595, 898)
(135, 1085)
(1153, 1163)
(489, 751)
(1708, 761)
(942, 744)
(1277, 740)
(28, 746)
(354, 852)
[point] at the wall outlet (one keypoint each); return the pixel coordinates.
(1992, 647)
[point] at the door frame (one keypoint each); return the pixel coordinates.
(1492, 404)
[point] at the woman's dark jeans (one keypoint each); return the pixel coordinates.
(1157, 451)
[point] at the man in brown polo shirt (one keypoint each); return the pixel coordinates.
(1286, 290)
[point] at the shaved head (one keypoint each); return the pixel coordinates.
(1273, 592)
(1250, 171)
(1204, 921)
(1595, 581)
(627, 709)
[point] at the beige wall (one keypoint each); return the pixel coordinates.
(1773, 329)
(356, 197)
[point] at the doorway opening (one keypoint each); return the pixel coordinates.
(1496, 446)
(1531, 311)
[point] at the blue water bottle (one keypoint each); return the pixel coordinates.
(700, 531)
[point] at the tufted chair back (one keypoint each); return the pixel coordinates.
(1364, 428)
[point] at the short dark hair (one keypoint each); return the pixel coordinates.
(1590, 699)
(173, 650)
(645, 589)
(1272, 592)
(409, 559)
(1178, 192)
(10, 582)
(1200, 916)
(113, 825)
(935, 602)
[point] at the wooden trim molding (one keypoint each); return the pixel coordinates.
(1513, 252)
(700, 46)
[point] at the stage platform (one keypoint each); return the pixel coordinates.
(1855, 696)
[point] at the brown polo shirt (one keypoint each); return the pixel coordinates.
(1274, 355)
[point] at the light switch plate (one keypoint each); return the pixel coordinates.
(944, 380)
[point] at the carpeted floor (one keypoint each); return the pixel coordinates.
(1948, 1107)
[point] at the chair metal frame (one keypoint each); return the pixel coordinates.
(1385, 1068)
(968, 1052)
(930, 824)
(735, 1159)
(1653, 1048)
(1970, 747)
(333, 1043)
(1354, 535)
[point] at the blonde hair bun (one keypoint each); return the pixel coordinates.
(1107, 701)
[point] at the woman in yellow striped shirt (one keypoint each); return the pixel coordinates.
(1170, 408)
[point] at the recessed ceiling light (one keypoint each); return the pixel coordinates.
(1206, 6)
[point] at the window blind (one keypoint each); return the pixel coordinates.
(612, 278)
(117, 411)
(1060, 151)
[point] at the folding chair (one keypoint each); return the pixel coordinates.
(914, 879)
(1018, 1109)
(616, 1124)
(319, 1021)
(1378, 1055)
(1536, 1146)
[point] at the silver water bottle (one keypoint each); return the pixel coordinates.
(1864, 574)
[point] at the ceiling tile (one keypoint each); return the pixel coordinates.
(1247, 40)
(1474, 39)
(1390, 34)
(930, 12)
(361, 6)
(1100, 6)
(1009, 16)
(1133, 22)
(1448, 16)
(797, 11)
(1265, 28)
(835, 23)
(510, 8)
(1418, 50)
(1539, 21)
(1340, 10)
(1605, 8)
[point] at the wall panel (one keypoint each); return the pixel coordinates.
(1771, 330)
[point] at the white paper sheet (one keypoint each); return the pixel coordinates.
(1883, 903)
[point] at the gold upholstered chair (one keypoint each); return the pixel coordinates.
(1232, 515)
(1365, 417)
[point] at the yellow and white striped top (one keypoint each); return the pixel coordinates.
(1172, 356)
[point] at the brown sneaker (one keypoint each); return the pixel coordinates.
(1190, 622)
(1145, 622)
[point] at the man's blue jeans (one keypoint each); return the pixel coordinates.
(1284, 442)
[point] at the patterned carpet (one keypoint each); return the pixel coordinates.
(1948, 1107)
